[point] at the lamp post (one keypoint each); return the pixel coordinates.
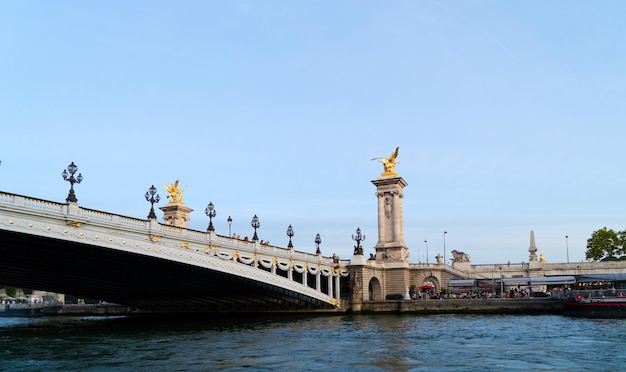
(358, 238)
(290, 234)
(72, 168)
(230, 223)
(210, 211)
(255, 224)
(444, 246)
(152, 199)
(426, 242)
(318, 241)
(567, 247)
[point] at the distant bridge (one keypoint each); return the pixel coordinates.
(65, 248)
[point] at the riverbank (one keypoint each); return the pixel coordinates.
(445, 306)
(466, 306)
(91, 309)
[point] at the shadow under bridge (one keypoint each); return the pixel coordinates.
(144, 282)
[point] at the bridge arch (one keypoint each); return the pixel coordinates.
(428, 278)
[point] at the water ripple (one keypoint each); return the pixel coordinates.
(310, 343)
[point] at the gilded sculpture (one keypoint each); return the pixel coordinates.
(389, 163)
(174, 193)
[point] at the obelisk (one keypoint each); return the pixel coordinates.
(533, 247)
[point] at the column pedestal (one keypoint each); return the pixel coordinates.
(176, 214)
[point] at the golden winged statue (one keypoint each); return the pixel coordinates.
(389, 164)
(174, 193)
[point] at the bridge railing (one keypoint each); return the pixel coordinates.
(87, 214)
(498, 267)
(95, 215)
(30, 203)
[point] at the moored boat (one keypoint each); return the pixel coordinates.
(595, 304)
(26, 307)
(20, 309)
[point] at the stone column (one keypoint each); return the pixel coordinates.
(381, 217)
(305, 275)
(330, 285)
(318, 280)
(390, 246)
(399, 217)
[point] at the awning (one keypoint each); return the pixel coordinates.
(602, 277)
(565, 279)
(462, 283)
(539, 280)
(427, 287)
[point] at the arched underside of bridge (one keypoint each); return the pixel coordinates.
(142, 282)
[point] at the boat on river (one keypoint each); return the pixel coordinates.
(21, 309)
(26, 307)
(595, 304)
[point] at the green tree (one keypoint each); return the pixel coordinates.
(606, 245)
(11, 291)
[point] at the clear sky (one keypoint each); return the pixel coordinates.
(509, 116)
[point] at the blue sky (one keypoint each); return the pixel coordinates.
(509, 116)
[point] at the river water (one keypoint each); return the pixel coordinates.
(344, 342)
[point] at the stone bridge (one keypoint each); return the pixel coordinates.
(64, 248)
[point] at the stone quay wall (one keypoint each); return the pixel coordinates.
(95, 309)
(418, 307)
(467, 306)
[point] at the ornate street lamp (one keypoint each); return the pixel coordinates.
(210, 212)
(230, 223)
(426, 242)
(290, 234)
(152, 199)
(567, 247)
(358, 238)
(318, 241)
(255, 224)
(72, 168)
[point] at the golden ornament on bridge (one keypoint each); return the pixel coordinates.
(174, 193)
